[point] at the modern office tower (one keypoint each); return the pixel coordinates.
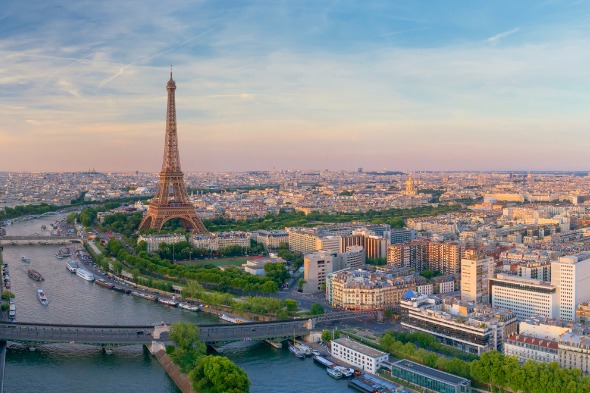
(476, 270)
(171, 199)
(571, 276)
(526, 297)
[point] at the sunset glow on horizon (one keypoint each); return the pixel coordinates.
(296, 85)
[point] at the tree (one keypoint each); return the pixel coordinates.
(215, 374)
(276, 272)
(430, 360)
(301, 283)
(189, 349)
(7, 295)
(193, 289)
(291, 305)
(336, 334)
(326, 336)
(316, 309)
(141, 246)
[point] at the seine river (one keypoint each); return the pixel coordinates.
(68, 368)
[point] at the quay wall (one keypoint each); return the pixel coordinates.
(181, 380)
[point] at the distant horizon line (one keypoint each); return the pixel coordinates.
(503, 171)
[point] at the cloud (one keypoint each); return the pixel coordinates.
(495, 39)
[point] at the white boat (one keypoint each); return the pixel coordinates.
(25, 259)
(167, 302)
(188, 306)
(296, 352)
(42, 297)
(232, 320)
(334, 373)
(72, 266)
(304, 348)
(345, 371)
(85, 274)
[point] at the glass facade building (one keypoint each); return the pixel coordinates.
(430, 378)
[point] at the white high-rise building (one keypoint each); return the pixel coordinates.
(571, 276)
(475, 274)
(525, 296)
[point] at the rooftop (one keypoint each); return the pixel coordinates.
(430, 372)
(361, 348)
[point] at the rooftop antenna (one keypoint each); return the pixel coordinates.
(170, 71)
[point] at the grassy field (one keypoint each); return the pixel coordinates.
(237, 261)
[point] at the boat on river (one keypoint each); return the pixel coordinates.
(188, 306)
(143, 295)
(35, 275)
(304, 348)
(167, 302)
(25, 259)
(296, 352)
(334, 373)
(72, 266)
(121, 289)
(232, 320)
(42, 298)
(85, 274)
(322, 361)
(345, 371)
(103, 283)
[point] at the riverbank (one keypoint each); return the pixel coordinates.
(181, 380)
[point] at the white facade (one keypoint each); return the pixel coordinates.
(360, 356)
(425, 289)
(215, 241)
(154, 241)
(475, 274)
(574, 352)
(571, 276)
(531, 348)
(446, 287)
(526, 297)
(331, 243)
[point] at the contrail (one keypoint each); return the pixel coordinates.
(122, 69)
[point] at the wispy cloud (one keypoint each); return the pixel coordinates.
(495, 39)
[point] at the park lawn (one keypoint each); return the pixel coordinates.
(237, 261)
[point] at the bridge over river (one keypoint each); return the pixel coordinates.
(39, 333)
(37, 240)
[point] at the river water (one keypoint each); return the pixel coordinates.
(69, 368)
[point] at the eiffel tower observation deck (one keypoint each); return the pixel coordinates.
(171, 199)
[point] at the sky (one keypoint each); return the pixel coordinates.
(299, 84)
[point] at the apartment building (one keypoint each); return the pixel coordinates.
(571, 276)
(364, 290)
(318, 265)
(154, 241)
(476, 271)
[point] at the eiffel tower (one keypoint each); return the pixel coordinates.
(171, 198)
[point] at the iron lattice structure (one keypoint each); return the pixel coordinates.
(171, 198)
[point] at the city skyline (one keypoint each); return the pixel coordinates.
(303, 85)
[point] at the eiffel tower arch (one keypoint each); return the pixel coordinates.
(171, 199)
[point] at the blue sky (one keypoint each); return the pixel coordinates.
(431, 85)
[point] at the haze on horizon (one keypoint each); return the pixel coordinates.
(400, 85)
